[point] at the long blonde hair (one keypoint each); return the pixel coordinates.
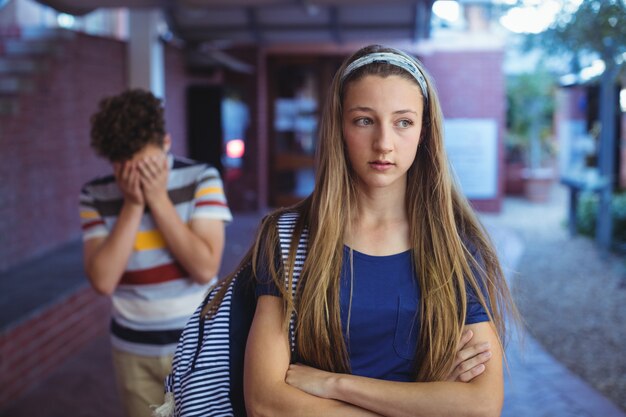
(450, 249)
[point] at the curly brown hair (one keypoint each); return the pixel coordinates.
(126, 123)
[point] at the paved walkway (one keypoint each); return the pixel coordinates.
(537, 386)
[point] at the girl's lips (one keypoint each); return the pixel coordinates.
(381, 165)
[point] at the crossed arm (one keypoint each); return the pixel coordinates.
(274, 388)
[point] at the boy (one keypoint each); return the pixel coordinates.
(153, 240)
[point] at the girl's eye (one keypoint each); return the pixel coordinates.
(363, 121)
(405, 123)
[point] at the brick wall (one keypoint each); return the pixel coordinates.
(471, 85)
(175, 81)
(31, 350)
(45, 148)
(45, 154)
(45, 158)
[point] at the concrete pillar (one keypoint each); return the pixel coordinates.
(476, 15)
(606, 161)
(145, 51)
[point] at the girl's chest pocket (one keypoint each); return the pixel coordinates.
(407, 326)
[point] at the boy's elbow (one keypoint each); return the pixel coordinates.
(102, 289)
(99, 284)
(205, 276)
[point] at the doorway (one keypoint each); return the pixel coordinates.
(204, 124)
(297, 90)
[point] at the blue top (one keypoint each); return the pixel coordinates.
(384, 326)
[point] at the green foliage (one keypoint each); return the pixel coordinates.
(596, 26)
(586, 214)
(523, 91)
(530, 100)
(587, 211)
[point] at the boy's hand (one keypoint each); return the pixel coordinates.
(154, 174)
(470, 360)
(128, 179)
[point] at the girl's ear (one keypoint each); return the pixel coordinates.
(167, 142)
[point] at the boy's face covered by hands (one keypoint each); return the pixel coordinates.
(143, 178)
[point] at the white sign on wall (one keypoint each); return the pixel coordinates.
(472, 147)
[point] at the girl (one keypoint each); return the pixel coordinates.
(398, 267)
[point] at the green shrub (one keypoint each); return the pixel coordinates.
(618, 210)
(587, 210)
(586, 213)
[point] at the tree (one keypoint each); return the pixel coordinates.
(595, 28)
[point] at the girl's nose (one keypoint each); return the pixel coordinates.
(384, 142)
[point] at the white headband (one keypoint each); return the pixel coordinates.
(397, 59)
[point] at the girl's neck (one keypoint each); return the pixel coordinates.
(379, 206)
(380, 224)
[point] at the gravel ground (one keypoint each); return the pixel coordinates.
(572, 298)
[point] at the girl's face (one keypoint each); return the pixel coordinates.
(382, 122)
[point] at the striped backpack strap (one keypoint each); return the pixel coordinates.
(286, 226)
(200, 382)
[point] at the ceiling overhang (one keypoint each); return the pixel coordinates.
(279, 21)
(206, 27)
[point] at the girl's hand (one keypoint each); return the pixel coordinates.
(470, 360)
(128, 179)
(310, 380)
(468, 364)
(154, 176)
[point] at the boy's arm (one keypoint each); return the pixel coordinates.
(198, 246)
(106, 257)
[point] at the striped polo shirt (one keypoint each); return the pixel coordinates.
(155, 296)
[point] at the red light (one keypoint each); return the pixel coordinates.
(235, 148)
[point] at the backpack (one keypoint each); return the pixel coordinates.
(207, 369)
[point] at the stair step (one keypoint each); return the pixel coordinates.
(19, 65)
(9, 106)
(15, 85)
